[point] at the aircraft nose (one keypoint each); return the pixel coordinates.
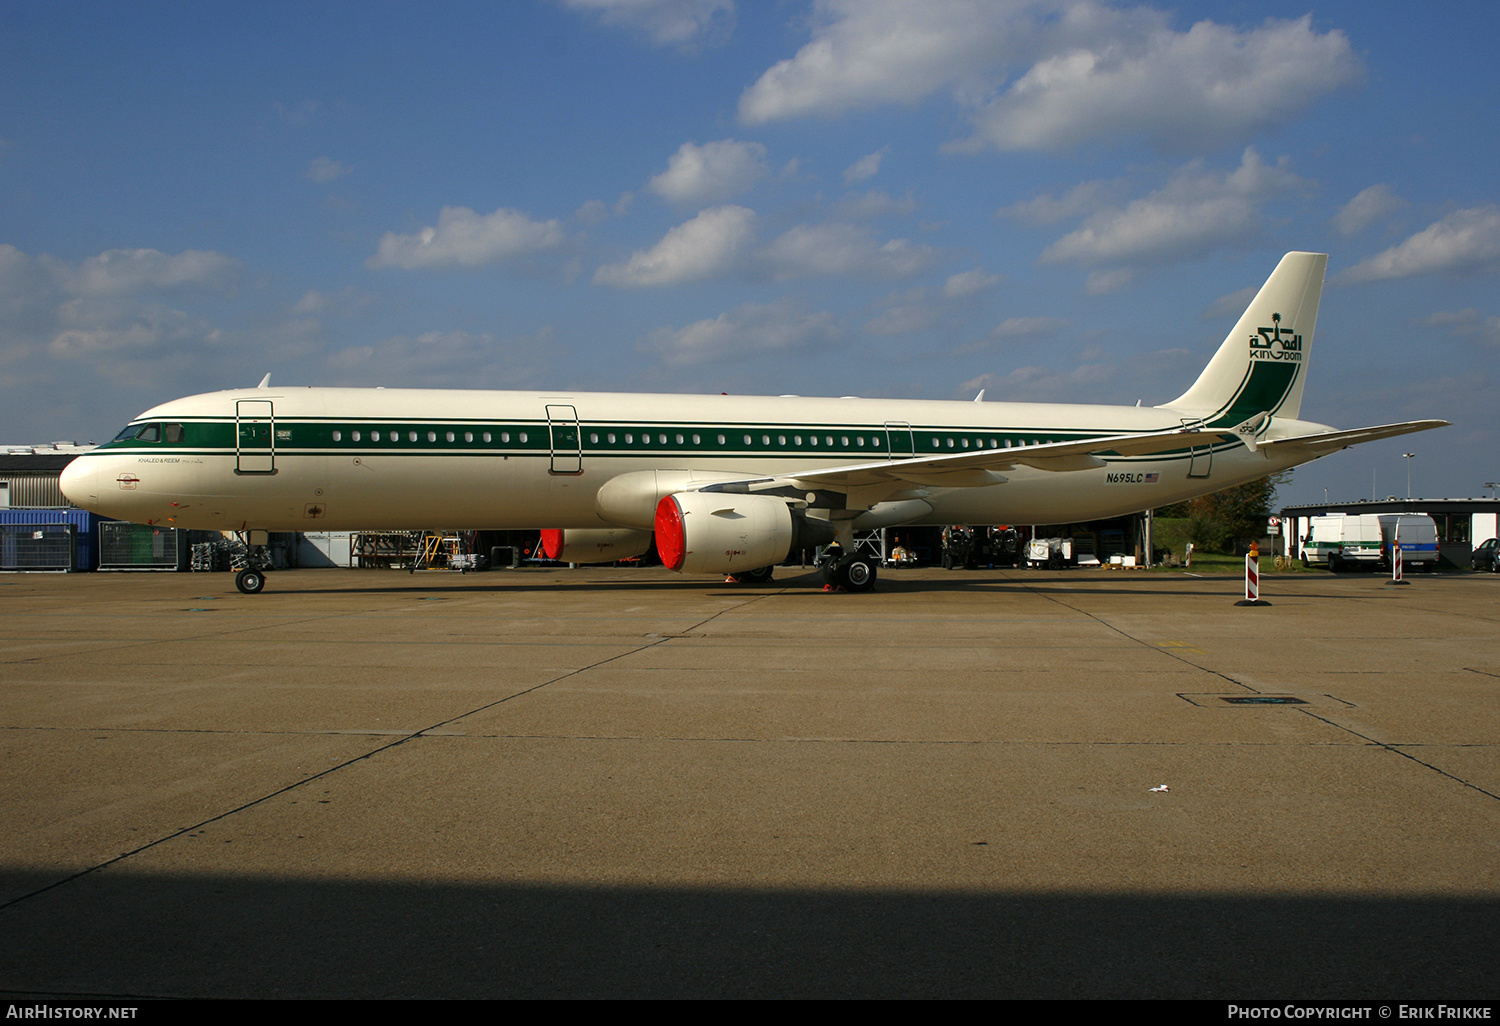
(80, 483)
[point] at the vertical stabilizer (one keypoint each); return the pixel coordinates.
(1262, 365)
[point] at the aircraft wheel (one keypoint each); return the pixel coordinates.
(250, 581)
(856, 573)
(758, 576)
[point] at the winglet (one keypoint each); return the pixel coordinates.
(265, 382)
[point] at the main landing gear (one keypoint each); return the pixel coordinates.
(854, 572)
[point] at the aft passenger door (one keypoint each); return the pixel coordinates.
(567, 440)
(255, 437)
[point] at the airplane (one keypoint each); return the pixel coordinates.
(725, 484)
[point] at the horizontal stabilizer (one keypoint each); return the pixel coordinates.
(1330, 441)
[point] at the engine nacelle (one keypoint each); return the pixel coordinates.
(594, 545)
(722, 533)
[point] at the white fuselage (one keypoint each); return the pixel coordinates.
(406, 459)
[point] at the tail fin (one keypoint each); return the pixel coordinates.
(1262, 365)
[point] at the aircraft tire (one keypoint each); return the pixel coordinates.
(762, 575)
(250, 581)
(856, 573)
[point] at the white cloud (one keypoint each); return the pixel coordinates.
(682, 23)
(346, 300)
(875, 203)
(1366, 208)
(1231, 305)
(1196, 212)
(715, 172)
(902, 320)
(92, 328)
(1079, 200)
(703, 247)
(1210, 85)
(968, 283)
(870, 52)
(1021, 327)
(446, 359)
(753, 329)
(1465, 240)
(326, 169)
(836, 248)
(117, 272)
(463, 238)
(1466, 323)
(591, 212)
(1094, 71)
(865, 167)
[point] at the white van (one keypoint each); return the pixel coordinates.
(1343, 541)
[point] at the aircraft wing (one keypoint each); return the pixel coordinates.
(984, 466)
(1331, 441)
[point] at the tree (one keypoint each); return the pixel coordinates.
(1229, 520)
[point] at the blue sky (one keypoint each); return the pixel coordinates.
(1051, 200)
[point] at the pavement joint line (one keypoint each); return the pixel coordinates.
(1145, 644)
(139, 849)
(1304, 711)
(1399, 750)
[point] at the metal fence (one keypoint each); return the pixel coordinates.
(37, 546)
(125, 546)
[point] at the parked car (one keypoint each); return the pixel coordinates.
(1487, 557)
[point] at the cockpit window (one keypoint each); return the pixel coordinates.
(173, 433)
(148, 433)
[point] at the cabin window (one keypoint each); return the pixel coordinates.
(844, 441)
(661, 439)
(696, 439)
(765, 439)
(679, 439)
(813, 439)
(487, 437)
(747, 440)
(468, 436)
(629, 438)
(505, 436)
(522, 436)
(859, 440)
(935, 443)
(354, 435)
(797, 440)
(431, 436)
(338, 436)
(965, 442)
(450, 436)
(593, 438)
(781, 439)
(950, 443)
(374, 436)
(611, 437)
(722, 440)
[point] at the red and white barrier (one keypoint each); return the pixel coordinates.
(1252, 578)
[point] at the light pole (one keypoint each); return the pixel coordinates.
(1407, 456)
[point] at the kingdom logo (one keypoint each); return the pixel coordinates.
(1272, 344)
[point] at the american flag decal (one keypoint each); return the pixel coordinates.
(1151, 478)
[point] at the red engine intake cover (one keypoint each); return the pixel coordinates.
(671, 544)
(552, 542)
